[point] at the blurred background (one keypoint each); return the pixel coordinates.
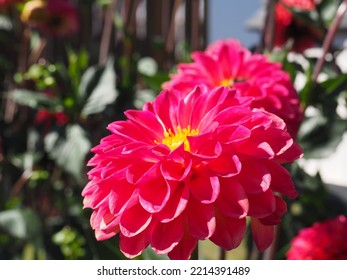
(70, 67)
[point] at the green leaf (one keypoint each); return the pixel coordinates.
(333, 87)
(78, 62)
(327, 10)
(154, 82)
(34, 100)
(20, 223)
(319, 137)
(103, 94)
(70, 151)
(89, 81)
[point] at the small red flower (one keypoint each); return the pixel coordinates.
(288, 27)
(228, 63)
(190, 167)
(59, 18)
(48, 118)
(323, 241)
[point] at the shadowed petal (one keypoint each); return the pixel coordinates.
(165, 236)
(229, 231)
(200, 219)
(262, 235)
(132, 247)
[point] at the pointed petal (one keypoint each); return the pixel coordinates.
(229, 231)
(255, 177)
(281, 180)
(203, 187)
(134, 220)
(232, 200)
(262, 235)
(225, 165)
(200, 219)
(132, 247)
(175, 205)
(165, 236)
(275, 217)
(262, 204)
(154, 190)
(184, 248)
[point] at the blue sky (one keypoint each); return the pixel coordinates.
(227, 18)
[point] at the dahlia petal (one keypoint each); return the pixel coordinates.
(133, 246)
(101, 235)
(129, 131)
(137, 170)
(275, 217)
(203, 187)
(147, 121)
(229, 232)
(109, 224)
(262, 235)
(134, 220)
(121, 196)
(166, 109)
(234, 116)
(255, 177)
(200, 219)
(225, 166)
(185, 117)
(154, 190)
(165, 236)
(175, 167)
(281, 180)
(184, 249)
(232, 134)
(255, 148)
(293, 152)
(225, 56)
(208, 64)
(261, 204)
(175, 205)
(203, 147)
(232, 200)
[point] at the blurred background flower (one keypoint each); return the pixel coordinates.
(325, 240)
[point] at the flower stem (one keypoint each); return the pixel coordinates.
(329, 38)
(269, 28)
(195, 254)
(107, 33)
(269, 253)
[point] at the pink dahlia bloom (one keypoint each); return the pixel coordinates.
(323, 241)
(228, 63)
(187, 168)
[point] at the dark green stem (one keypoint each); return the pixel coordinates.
(329, 39)
(195, 254)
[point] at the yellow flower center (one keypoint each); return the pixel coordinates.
(173, 140)
(227, 82)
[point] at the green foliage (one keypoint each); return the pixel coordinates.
(71, 243)
(69, 149)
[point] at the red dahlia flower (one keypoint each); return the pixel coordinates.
(58, 18)
(323, 241)
(187, 168)
(288, 27)
(228, 63)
